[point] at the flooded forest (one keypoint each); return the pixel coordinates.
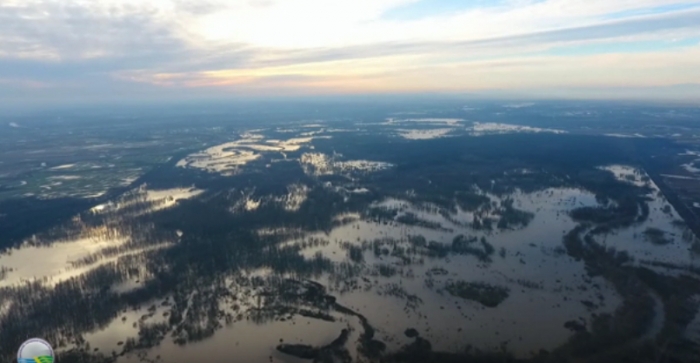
(404, 240)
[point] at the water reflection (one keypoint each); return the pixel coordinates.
(548, 286)
(142, 292)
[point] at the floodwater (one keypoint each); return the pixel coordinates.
(228, 158)
(52, 264)
(546, 286)
(399, 289)
(486, 128)
(51, 261)
(245, 342)
(411, 134)
(318, 164)
(632, 239)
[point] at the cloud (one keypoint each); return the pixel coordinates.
(252, 60)
(595, 32)
(197, 7)
(67, 30)
(400, 74)
(91, 47)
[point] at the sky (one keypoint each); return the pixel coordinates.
(65, 51)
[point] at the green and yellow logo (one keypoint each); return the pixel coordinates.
(35, 351)
(39, 359)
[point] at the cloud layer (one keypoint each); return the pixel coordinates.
(71, 49)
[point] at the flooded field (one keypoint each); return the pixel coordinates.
(546, 287)
(440, 239)
(406, 266)
(50, 260)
